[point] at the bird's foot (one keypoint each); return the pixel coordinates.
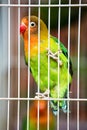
(55, 56)
(42, 95)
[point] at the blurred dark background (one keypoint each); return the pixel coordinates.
(23, 68)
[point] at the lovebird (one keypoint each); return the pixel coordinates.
(60, 75)
(43, 117)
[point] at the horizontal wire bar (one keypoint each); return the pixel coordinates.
(43, 5)
(47, 99)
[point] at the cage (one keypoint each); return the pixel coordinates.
(66, 20)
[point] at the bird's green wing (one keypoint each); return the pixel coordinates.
(63, 89)
(65, 52)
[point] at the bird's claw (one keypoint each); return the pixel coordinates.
(55, 55)
(42, 95)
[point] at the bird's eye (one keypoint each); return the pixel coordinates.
(32, 24)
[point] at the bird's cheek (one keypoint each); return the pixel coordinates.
(25, 35)
(33, 30)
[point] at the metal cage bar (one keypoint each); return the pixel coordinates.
(28, 93)
(48, 115)
(59, 20)
(78, 64)
(60, 99)
(43, 5)
(38, 119)
(18, 103)
(69, 15)
(8, 109)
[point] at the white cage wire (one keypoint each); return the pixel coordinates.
(13, 67)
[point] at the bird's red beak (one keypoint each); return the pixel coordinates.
(22, 28)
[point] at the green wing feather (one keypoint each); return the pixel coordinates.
(62, 104)
(65, 52)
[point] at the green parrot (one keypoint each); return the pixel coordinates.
(58, 55)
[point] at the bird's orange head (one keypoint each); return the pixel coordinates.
(31, 27)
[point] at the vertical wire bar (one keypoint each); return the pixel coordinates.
(28, 103)
(69, 16)
(18, 108)
(59, 12)
(78, 65)
(38, 61)
(8, 109)
(48, 64)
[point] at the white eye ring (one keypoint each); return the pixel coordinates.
(32, 24)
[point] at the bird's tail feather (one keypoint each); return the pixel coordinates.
(62, 106)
